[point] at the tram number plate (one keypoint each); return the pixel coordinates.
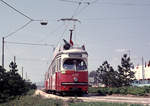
(75, 75)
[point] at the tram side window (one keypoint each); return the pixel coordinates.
(56, 65)
(75, 64)
(59, 64)
(47, 75)
(53, 69)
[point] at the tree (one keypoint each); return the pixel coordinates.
(106, 75)
(149, 63)
(2, 76)
(14, 84)
(93, 75)
(126, 76)
(13, 67)
(11, 83)
(2, 83)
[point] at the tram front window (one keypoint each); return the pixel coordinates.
(74, 64)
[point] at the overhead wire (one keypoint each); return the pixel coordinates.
(81, 10)
(32, 44)
(116, 18)
(125, 3)
(60, 38)
(80, 2)
(94, 1)
(10, 51)
(86, 5)
(75, 35)
(25, 59)
(26, 16)
(31, 59)
(70, 1)
(16, 10)
(76, 10)
(52, 32)
(20, 28)
(64, 32)
(29, 44)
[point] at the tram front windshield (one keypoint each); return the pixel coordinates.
(74, 64)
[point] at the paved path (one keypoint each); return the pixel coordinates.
(120, 99)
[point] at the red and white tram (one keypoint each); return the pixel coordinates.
(68, 71)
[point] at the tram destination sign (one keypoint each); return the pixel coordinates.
(75, 55)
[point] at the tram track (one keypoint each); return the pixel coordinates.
(88, 98)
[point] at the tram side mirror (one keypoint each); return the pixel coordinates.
(66, 45)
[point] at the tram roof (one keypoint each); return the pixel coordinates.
(60, 50)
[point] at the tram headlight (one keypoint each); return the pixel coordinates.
(75, 79)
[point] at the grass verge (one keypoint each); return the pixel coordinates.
(102, 104)
(30, 100)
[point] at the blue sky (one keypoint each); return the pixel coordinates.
(108, 29)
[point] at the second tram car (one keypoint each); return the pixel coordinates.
(68, 72)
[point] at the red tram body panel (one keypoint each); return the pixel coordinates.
(66, 82)
(68, 71)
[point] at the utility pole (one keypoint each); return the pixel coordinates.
(14, 59)
(42, 22)
(26, 76)
(143, 72)
(129, 52)
(22, 72)
(3, 52)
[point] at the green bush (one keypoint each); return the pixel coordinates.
(123, 90)
(138, 91)
(147, 89)
(103, 91)
(93, 90)
(115, 91)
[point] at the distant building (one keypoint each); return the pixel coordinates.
(142, 75)
(142, 72)
(91, 80)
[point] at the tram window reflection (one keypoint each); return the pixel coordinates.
(75, 64)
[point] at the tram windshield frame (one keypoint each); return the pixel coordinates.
(74, 64)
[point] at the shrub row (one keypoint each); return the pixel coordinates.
(138, 91)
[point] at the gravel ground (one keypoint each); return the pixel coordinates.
(87, 98)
